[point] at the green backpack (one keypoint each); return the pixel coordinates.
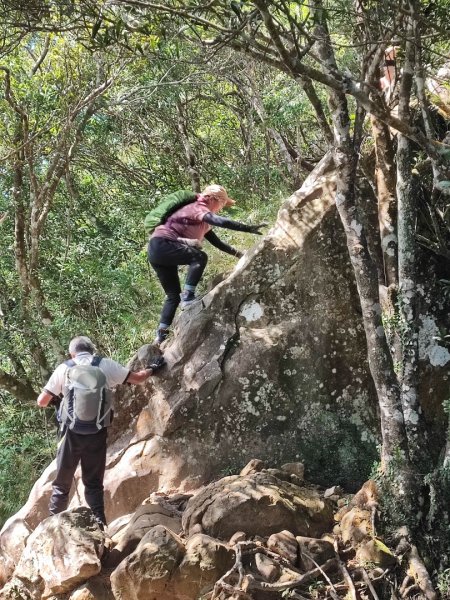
(166, 208)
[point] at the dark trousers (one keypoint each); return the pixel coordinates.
(165, 256)
(90, 450)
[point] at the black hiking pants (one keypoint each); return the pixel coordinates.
(90, 451)
(165, 256)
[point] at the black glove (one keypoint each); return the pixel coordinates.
(255, 228)
(157, 363)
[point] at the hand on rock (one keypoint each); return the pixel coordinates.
(256, 228)
(157, 364)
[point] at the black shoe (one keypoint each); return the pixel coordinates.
(187, 298)
(100, 522)
(161, 336)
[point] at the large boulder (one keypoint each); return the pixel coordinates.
(205, 561)
(146, 573)
(257, 504)
(63, 551)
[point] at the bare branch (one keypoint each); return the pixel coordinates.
(41, 58)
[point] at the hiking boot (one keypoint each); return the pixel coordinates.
(161, 336)
(100, 522)
(187, 298)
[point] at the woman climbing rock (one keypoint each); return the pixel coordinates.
(178, 241)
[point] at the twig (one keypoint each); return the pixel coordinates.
(333, 592)
(407, 580)
(276, 557)
(239, 565)
(418, 570)
(348, 580)
(287, 585)
(369, 584)
(412, 588)
(372, 519)
(221, 583)
(42, 56)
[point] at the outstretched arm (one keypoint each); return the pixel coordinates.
(213, 219)
(220, 245)
(138, 377)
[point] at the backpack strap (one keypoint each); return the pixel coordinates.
(69, 408)
(96, 361)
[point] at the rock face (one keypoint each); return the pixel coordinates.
(270, 364)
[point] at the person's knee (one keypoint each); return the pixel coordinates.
(173, 297)
(202, 258)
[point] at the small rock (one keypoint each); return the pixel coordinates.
(376, 553)
(62, 552)
(279, 474)
(332, 491)
(258, 504)
(313, 550)
(295, 468)
(259, 541)
(254, 466)
(12, 543)
(144, 357)
(205, 561)
(266, 567)
(239, 536)
(296, 480)
(284, 544)
(118, 524)
(328, 537)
